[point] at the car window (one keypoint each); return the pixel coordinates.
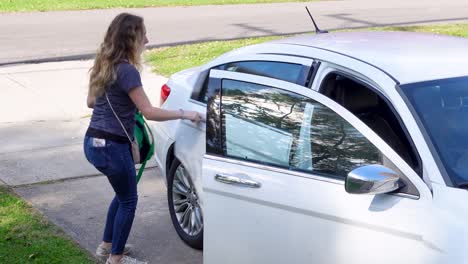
(376, 112)
(328, 144)
(442, 108)
(290, 72)
(271, 126)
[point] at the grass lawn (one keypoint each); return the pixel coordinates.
(25, 237)
(51, 5)
(458, 30)
(168, 60)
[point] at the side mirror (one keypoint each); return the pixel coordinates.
(372, 179)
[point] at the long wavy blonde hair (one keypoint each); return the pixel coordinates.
(121, 43)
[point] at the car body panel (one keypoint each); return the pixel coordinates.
(190, 147)
(165, 132)
(318, 222)
(163, 142)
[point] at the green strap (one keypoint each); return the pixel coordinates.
(140, 171)
(151, 150)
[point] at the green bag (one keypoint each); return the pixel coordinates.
(145, 139)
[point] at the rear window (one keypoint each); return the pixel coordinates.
(285, 71)
(289, 72)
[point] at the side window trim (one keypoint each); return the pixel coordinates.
(312, 74)
(379, 143)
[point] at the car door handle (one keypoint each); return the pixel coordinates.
(237, 181)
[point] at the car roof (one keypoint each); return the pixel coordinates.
(408, 57)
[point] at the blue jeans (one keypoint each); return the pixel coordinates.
(115, 161)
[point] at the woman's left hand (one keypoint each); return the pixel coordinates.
(192, 116)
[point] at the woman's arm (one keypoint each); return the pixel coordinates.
(140, 99)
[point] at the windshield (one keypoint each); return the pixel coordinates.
(442, 107)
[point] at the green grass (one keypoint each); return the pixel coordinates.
(458, 30)
(52, 5)
(168, 60)
(25, 237)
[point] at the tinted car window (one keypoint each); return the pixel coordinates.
(278, 70)
(442, 108)
(289, 72)
(330, 145)
(272, 126)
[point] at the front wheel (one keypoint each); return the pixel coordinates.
(184, 207)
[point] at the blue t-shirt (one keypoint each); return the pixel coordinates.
(103, 118)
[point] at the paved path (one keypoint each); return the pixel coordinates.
(32, 36)
(43, 119)
(54, 91)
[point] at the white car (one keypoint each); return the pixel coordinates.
(332, 148)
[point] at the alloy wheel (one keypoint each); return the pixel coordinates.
(186, 203)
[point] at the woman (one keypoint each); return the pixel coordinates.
(115, 92)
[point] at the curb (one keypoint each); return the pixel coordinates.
(85, 56)
(76, 178)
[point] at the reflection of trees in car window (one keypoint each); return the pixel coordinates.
(269, 125)
(281, 110)
(260, 121)
(213, 137)
(337, 147)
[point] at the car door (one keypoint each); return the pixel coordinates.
(190, 143)
(273, 181)
(190, 138)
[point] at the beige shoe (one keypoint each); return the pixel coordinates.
(127, 260)
(105, 252)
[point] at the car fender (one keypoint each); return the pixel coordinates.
(163, 142)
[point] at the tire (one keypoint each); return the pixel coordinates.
(186, 214)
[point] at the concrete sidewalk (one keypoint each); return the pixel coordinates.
(43, 119)
(54, 91)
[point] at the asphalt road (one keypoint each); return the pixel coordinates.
(66, 35)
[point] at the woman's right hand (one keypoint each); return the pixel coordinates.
(192, 116)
